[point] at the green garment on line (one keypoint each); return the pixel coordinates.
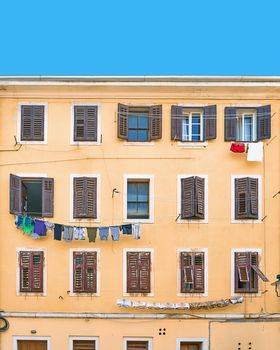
(27, 225)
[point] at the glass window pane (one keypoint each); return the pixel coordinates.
(132, 135)
(131, 210)
(143, 210)
(143, 121)
(143, 192)
(248, 128)
(142, 135)
(185, 129)
(132, 192)
(239, 129)
(132, 121)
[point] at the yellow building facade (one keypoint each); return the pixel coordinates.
(180, 174)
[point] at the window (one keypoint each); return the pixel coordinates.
(32, 122)
(31, 343)
(138, 273)
(193, 124)
(32, 196)
(84, 343)
(192, 266)
(246, 201)
(247, 124)
(31, 265)
(246, 272)
(139, 124)
(85, 123)
(85, 272)
(190, 346)
(137, 344)
(85, 197)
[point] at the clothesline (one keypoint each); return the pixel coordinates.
(37, 228)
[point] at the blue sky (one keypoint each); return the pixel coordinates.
(139, 37)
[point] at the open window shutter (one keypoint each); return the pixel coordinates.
(145, 272)
(253, 195)
(242, 267)
(90, 270)
(230, 124)
(199, 197)
(176, 123)
(255, 266)
(90, 198)
(264, 122)
(26, 123)
(79, 197)
(187, 197)
(47, 197)
(137, 345)
(79, 123)
(25, 260)
(132, 272)
(15, 195)
(84, 345)
(155, 117)
(187, 272)
(199, 272)
(91, 123)
(78, 272)
(122, 121)
(209, 122)
(38, 123)
(37, 271)
(241, 198)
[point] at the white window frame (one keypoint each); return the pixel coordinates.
(192, 221)
(192, 250)
(40, 294)
(125, 251)
(71, 271)
(246, 221)
(139, 177)
(85, 143)
(203, 341)
(242, 113)
(189, 115)
(232, 269)
(98, 198)
(45, 142)
(127, 339)
(16, 338)
(71, 338)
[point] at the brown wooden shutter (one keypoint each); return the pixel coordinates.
(209, 122)
(155, 118)
(199, 272)
(90, 272)
(84, 345)
(122, 121)
(199, 197)
(230, 124)
(255, 266)
(254, 198)
(78, 277)
(47, 197)
(31, 271)
(187, 272)
(242, 271)
(32, 123)
(187, 197)
(15, 195)
(241, 198)
(85, 197)
(176, 123)
(85, 123)
(137, 345)
(264, 122)
(138, 272)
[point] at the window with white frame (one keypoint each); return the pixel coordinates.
(84, 343)
(246, 125)
(192, 127)
(191, 344)
(137, 343)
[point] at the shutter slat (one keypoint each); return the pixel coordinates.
(25, 267)
(230, 124)
(209, 122)
(187, 198)
(253, 195)
(132, 272)
(78, 276)
(38, 123)
(37, 271)
(199, 272)
(241, 199)
(47, 197)
(137, 345)
(144, 272)
(264, 122)
(26, 123)
(90, 271)
(122, 121)
(199, 197)
(155, 118)
(79, 123)
(84, 345)
(15, 195)
(176, 123)
(91, 197)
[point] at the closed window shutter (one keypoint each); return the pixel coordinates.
(31, 271)
(85, 197)
(78, 276)
(37, 271)
(209, 122)
(230, 124)
(144, 272)
(90, 270)
(199, 272)
(155, 115)
(187, 272)
(137, 345)
(79, 191)
(32, 123)
(176, 123)
(47, 197)
(241, 198)
(25, 271)
(138, 272)
(187, 197)
(84, 345)
(91, 197)
(264, 122)
(254, 199)
(85, 123)
(242, 270)
(199, 197)
(15, 195)
(122, 121)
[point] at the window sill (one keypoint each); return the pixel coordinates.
(85, 143)
(83, 294)
(136, 221)
(31, 294)
(246, 221)
(192, 295)
(87, 220)
(185, 221)
(139, 143)
(247, 295)
(32, 142)
(195, 145)
(138, 295)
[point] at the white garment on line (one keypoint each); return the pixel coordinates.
(255, 152)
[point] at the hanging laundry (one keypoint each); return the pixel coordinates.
(79, 233)
(104, 233)
(40, 228)
(18, 222)
(115, 232)
(49, 225)
(136, 231)
(68, 233)
(237, 147)
(91, 231)
(57, 232)
(27, 225)
(127, 229)
(35, 235)
(255, 152)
